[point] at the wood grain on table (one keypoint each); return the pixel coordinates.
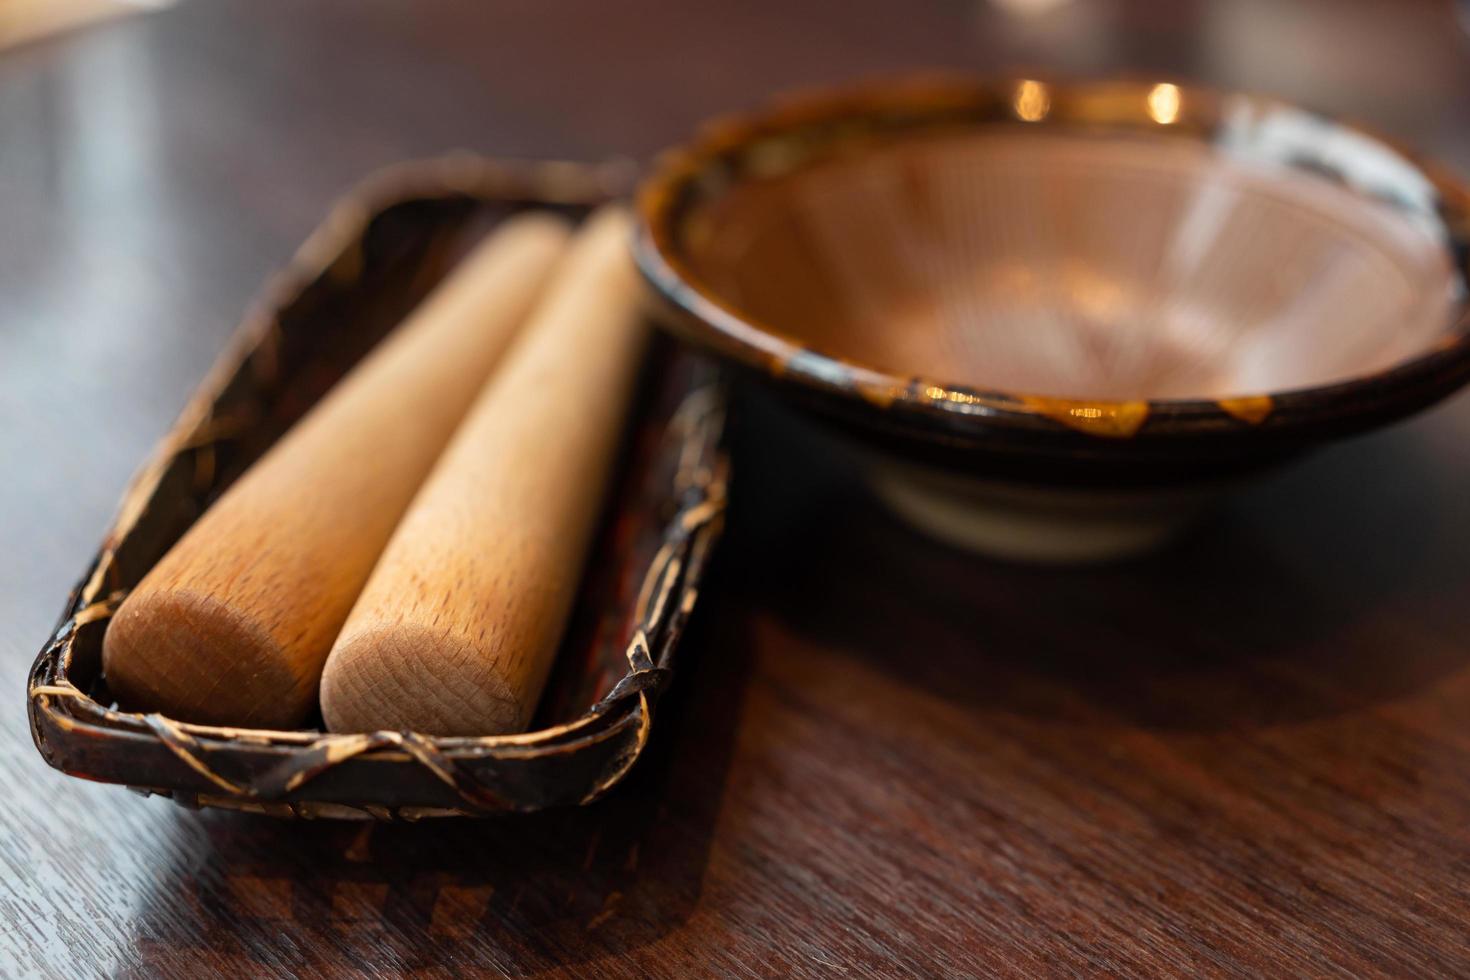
(1249, 755)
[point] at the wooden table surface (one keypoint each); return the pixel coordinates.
(1249, 755)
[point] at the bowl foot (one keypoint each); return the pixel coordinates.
(1037, 524)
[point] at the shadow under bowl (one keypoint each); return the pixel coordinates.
(1060, 317)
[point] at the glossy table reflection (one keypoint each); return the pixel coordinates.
(1246, 755)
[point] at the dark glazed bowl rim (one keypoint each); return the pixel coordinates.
(957, 416)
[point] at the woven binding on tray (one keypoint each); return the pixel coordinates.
(662, 603)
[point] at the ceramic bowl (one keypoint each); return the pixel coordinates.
(1059, 318)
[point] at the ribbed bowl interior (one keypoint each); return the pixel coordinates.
(1077, 265)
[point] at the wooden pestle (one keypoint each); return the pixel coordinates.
(457, 628)
(233, 625)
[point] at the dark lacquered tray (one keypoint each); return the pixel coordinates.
(377, 254)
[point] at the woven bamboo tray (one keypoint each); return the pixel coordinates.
(380, 251)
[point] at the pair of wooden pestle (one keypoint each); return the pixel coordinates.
(410, 550)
